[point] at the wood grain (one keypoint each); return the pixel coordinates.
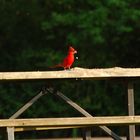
(73, 73)
(76, 121)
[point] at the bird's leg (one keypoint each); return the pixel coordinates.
(69, 68)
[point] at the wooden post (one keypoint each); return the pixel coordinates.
(84, 112)
(131, 109)
(10, 131)
(87, 134)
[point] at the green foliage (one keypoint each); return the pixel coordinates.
(35, 34)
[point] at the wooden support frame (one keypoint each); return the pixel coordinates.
(74, 121)
(80, 73)
(74, 73)
(85, 113)
(131, 110)
(10, 130)
(67, 100)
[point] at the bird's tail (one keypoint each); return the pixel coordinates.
(57, 66)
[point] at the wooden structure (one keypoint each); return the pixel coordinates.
(116, 72)
(70, 122)
(14, 124)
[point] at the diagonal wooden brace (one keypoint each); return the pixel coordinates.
(10, 130)
(82, 111)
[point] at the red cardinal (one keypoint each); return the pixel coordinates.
(68, 60)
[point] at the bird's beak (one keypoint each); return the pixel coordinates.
(75, 51)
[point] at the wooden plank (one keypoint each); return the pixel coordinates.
(76, 121)
(131, 111)
(73, 73)
(36, 128)
(84, 112)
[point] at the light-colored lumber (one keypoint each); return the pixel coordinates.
(73, 73)
(10, 131)
(131, 109)
(36, 128)
(76, 121)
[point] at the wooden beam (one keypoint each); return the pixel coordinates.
(10, 131)
(84, 112)
(76, 121)
(131, 109)
(27, 105)
(73, 73)
(38, 128)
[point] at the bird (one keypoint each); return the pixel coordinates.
(68, 60)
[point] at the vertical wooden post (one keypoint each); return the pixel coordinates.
(10, 131)
(131, 112)
(87, 134)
